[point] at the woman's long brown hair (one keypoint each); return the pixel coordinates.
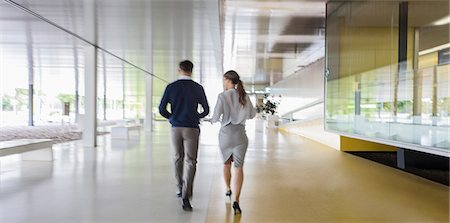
(233, 76)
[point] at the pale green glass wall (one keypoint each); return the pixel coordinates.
(366, 96)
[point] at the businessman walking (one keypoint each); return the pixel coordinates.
(184, 96)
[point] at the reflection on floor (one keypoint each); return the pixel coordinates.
(292, 179)
(288, 179)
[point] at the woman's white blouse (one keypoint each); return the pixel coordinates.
(231, 111)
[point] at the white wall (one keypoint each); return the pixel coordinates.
(302, 88)
(299, 89)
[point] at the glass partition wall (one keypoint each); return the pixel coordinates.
(42, 76)
(387, 72)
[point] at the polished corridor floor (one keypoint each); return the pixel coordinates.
(288, 179)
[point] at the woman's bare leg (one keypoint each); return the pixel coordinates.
(239, 179)
(227, 174)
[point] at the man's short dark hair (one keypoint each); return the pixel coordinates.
(186, 66)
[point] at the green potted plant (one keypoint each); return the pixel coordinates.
(269, 109)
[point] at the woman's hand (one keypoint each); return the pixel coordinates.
(207, 120)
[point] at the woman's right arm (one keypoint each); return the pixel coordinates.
(218, 110)
(252, 112)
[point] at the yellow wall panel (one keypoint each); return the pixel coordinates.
(357, 145)
(428, 60)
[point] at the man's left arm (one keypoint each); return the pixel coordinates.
(204, 104)
(163, 105)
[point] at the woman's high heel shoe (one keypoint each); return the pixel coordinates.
(237, 209)
(228, 194)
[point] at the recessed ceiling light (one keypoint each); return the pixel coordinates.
(443, 21)
(434, 49)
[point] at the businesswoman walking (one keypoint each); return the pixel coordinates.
(233, 108)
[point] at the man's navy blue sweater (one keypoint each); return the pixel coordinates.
(184, 96)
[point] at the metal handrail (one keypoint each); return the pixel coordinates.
(291, 113)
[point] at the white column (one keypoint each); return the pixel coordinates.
(77, 83)
(148, 122)
(104, 85)
(172, 63)
(30, 74)
(123, 91)
(75, 66)
(90, 77)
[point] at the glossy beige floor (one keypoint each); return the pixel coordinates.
(119, 182)
(292, 179)
(288, 179)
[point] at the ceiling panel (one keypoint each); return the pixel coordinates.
(257, 33)
(252, 37)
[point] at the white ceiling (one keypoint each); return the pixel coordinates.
(260, 35)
